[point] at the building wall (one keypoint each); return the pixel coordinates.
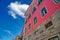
(17, 38)
(47, 33)
(53, 12)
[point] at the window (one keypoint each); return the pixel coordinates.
(41, 31)
(54, 38)
(24, 38)
(36, 32)
(44, 11)
(24, 30)
(29, 15)
(48, 24)
(39, 2)
(35, 20)
(25, 21)
(33, 10)
(29, 36)
(29, 26)
(56, 1)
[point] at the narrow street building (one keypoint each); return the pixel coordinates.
(42, 20)
(18, 38)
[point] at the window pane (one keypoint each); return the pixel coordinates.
(56, 1)
(25, 21)
(29, 36)
(35, 20)
(29, 15)
(33, 10)
(29, 26)
(44, 11)
(36, 32)
(24, 38)
(24, 30)
(39, 2)
(48, 24)
(55, 38)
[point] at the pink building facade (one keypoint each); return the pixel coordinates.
(42, 20)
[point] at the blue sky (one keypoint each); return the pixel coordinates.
(12, 17)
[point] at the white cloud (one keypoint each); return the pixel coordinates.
(17, 9)
(8, 31)
(12, 14)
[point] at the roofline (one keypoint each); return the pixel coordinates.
(28, 8)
